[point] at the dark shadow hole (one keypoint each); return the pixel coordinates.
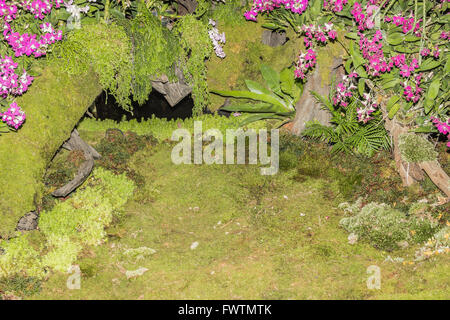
(106, 107)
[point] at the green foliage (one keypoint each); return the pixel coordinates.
(414, 148)
(386, 228)
(68, 227)
(347, 134)
(155, 51)
(230, 12)
(196, 48)
(81, 220)
(20, 285)
(104, 48)
(275, 101)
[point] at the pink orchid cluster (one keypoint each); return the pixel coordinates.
(372, 50)
(28, 44)
(217, 39)
(260, 6)
(445, 35)
(409, 93)
(344, 89)
(14, 116)
(405, 70)
(364, 114)
(334, 5)
(407, 24)
(425, 52)
(443, 127)
(313, 34)
(305, 62)
(364, 20)
(10, 82)
(40, 8)
(7, 11)
(318, 34)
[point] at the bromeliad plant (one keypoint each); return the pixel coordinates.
(275, 101)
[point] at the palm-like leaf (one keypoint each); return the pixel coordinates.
(347, 134)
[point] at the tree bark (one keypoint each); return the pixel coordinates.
(434, 170)
(186, 6)
(90, 154)
(307, 108)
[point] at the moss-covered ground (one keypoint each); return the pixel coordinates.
(226, 232)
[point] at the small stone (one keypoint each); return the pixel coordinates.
(352, 238)
(403, 244)
(135, 273)
(28, 222)
(194, 245)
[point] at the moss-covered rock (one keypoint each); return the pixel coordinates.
(54, 105)
(91, 59)
(246, 52)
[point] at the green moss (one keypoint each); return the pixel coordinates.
(68, 227)
(414, 148)
(20, 257)
(91, 59)
(259, 237)
(231, 12)
(118, 148)
(245, 54)
(20, 285)
(162, 129)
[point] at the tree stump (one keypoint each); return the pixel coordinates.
(274, 38)
(307, 108)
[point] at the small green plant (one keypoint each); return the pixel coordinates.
(348, 134)
(276, 101)
(414, 148)
(155, 50)
(387, 228)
